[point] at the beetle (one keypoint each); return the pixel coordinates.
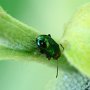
(49, 47)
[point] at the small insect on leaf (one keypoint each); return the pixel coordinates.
(49, 47)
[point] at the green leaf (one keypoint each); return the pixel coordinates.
(77, 35)
(16, 37)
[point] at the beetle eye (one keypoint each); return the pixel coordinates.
(42, 44)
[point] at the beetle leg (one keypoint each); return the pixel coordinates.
(62, 46)
(57, 70)
(49, 35)
(48, 57)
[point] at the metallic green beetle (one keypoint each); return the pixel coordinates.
(49, 47)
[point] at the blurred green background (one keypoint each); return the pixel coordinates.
(48, 16)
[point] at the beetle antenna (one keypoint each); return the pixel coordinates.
(57, 70)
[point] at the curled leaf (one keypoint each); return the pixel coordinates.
(77, 34)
